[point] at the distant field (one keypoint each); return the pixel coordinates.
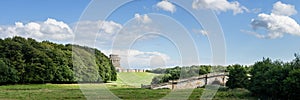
(134, 79)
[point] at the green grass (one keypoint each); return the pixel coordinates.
(72, 91)
(134, 79)
(225, 94)
(40, 92)
(126, 87)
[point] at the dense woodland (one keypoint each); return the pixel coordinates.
(29, 61)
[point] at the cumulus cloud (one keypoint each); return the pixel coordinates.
(112, 33)
(278, 22)
(280, 8)
(166, 5)
(89, 28)
(109, 27)
(58, 31)
(50, 29)
(142, 18)
(219, 6)
(139, 58)
(86, 32)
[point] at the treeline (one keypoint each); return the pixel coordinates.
(28, 61)
(268, 79)
(179, 72)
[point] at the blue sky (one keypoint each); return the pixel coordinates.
(252, 29)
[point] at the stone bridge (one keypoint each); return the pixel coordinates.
(219, 78)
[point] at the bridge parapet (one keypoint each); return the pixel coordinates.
(193, 82)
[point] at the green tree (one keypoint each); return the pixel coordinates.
(292, 85)
(237, 77)
(7, 74)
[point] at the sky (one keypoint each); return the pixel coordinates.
(162, 33)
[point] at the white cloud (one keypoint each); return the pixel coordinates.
(111, 27)
(277, 23)
(137, 58)
(219, 6)
(142, 18)
(283, 9)
(88, 31)
(85, 32)
(166, 5)
(58, 31)
(50, 29)
(112, 34)
(56, 26)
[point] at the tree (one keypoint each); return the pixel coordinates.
(258, 76)
(271, 79)
(292, 85)
(7, 74)
(237, 77)
(292, 82)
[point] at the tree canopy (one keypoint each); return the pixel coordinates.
(29, 61)
(276, 79)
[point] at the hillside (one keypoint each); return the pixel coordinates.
(29, 61)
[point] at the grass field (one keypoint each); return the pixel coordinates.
(126, 87)
(134, 79)
(72, 91)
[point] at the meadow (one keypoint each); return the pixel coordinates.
(122, 89)
(72, 91)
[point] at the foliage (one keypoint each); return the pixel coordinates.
(30, 61)
(7, 74)
(237, 77)
(275, 79)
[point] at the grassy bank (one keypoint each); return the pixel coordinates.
(72, 91)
